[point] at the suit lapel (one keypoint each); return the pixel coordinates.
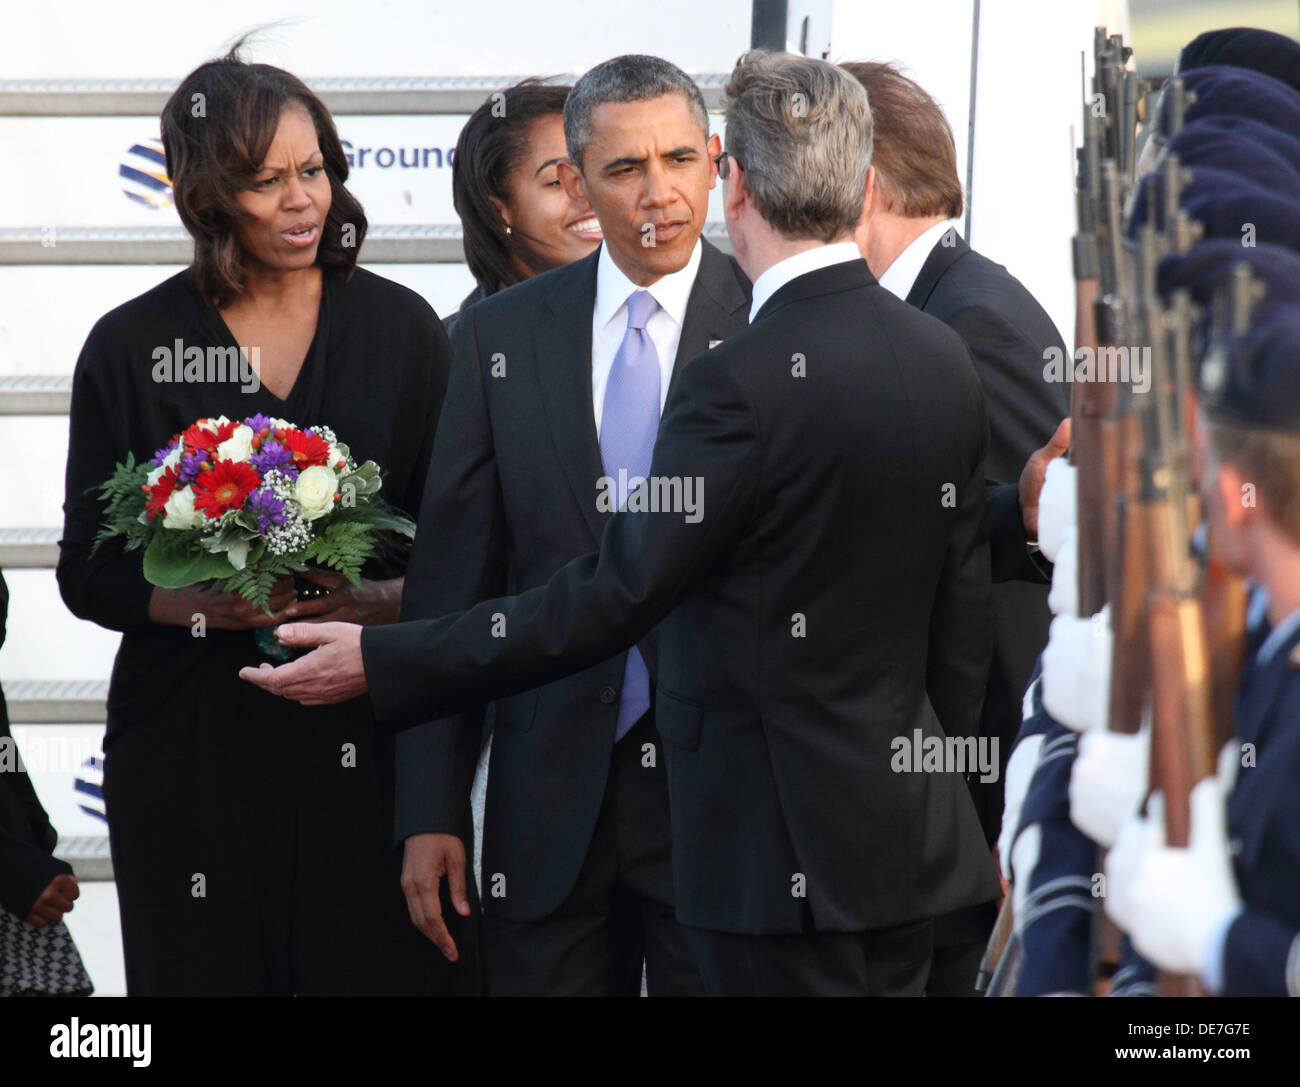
(941, 258)
(717, 308)
(562, 349)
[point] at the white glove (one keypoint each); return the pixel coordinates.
(1020, 771)
(1057, 508)
(1024, 859)
(1076, 671)
(1108, 782)
(1063, 598)
(1182, 898)
(1138, 835)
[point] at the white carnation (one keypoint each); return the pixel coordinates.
(314, 491)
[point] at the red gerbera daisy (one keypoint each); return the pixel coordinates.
(224, 487)
(308, 449)
(160, 492)
(197, 437)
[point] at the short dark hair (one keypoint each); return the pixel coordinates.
(490, 148)
(217, 128)
(634, 77)
(915, 156)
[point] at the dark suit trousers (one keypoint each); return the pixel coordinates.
(620, 912)
(879, 962)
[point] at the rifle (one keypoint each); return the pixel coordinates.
(1105, 168)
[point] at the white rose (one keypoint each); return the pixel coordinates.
(180, 512)
(172, 458)
(211, 425)
(336, 455)
(238, 447)
(314, 491)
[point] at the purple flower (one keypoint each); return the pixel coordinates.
(268, 509)
(162, 455)
(271, 455)
(188, 469)
(257, 423)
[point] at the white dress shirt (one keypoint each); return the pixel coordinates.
(609, 321)
(900, 277)
(810, 260)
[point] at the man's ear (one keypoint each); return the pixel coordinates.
(570, 178)
(713, 147)
(734, 192)
(869, 194)
(1237, 494)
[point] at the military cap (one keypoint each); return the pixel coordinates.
(1232, 92)
(1254, 378)
(1263, 51)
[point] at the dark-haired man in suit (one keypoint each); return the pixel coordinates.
(577, 886)
(906, 239)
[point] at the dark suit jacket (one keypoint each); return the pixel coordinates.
(830, 605)
(511, 497)
(1007, 332)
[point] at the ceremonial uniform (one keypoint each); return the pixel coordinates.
(1261, 945)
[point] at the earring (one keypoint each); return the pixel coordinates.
(507, 228)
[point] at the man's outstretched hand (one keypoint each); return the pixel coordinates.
(333, 672)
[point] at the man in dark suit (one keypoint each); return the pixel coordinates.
(821, 616)
(576, 851)
(906, 239)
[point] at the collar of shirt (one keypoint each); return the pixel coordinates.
(1277, 637)
(672, 291)
(810, 260)
(609, 322)
(900, 277)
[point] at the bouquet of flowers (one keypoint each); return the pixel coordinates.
(244, 502)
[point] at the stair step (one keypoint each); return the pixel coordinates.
(35, 394)
(399, 244)
(28, 548)
(90, 857)
(56, 701)
(353, 96)
(393, 244)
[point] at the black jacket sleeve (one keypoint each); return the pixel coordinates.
(109, 587)
(458, 559)
(961, 641)
(1009, 553)
(596, 604)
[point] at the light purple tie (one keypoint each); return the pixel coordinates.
(627, 440)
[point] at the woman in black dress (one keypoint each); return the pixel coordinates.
(252, 839)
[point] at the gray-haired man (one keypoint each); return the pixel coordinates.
(820, 626)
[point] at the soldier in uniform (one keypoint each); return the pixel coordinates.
(1227, 907)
